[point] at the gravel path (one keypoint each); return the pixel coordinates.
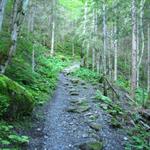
(63, 130)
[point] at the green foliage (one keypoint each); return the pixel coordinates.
(9, 137)
(87, 74)
(115, 110)
(101, 97)
(4, 104)
(123, 83)
(141, 97)
(20, 100)
(139, 139)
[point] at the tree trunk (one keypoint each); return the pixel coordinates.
(93, 59)
(104, 38)
(2, 9)
(17, 18)
(87, 55)
(142, 40)
(73, 50)
(31, 18)
(98, 62)
(148, 73)
(53, 29)
(115, 53)
(84, 32)
(134, 51)
(53, 38)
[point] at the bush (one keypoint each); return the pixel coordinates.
(87, 75)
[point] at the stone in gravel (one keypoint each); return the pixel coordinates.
(95, 136)
(78, 109)
(85, 135)
(75, 81)
(66, 84)
(83, 83)
(104, 106)
(85, 87)
(39, 129)
(71, 109)
(95, 126)
(93, 117)
(74, 93)
(91, 145)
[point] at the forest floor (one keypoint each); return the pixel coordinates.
(73, 121)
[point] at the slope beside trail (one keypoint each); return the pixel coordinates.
(72, 120)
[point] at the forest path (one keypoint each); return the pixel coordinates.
(73, 120)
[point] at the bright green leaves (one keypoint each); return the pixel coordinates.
(10, 137)
(73, 6)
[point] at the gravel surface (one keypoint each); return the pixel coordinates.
(64, 130)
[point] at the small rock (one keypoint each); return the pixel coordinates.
(85, 87)
(93, 117)
(74, 93)
(83, 83)
(75, 81)
(95, 126)
(85, 135)
(91, 145)
(39, 129)
(125, 138)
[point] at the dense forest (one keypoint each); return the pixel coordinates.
(67, 59)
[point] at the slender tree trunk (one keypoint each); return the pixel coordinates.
(84, 32)
(115, 53)
(93, 59)
(15, 25)
(98, 62)
(87, 55)
(138, 46)
(2, 9)
(148, 72)
(73, 50)
(139, 58)
(53, 38)
(134, 51)
(53, 29)
(104, 37)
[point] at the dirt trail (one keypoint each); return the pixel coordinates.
(67, 125)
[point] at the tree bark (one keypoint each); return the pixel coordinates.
(17, 18)
(134, 51)
(53, 29)
(2, 10)
(84, 32)
(148, 72)
(104, 38)
(139, 58)
(115, 53)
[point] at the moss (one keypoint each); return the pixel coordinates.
(20, 100)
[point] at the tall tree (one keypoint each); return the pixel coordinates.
(134, 51)
(53, 27)
(148, 72)
(19, 8)
(2, 9)
(139, 58)
(104, 37)
(84, 32)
